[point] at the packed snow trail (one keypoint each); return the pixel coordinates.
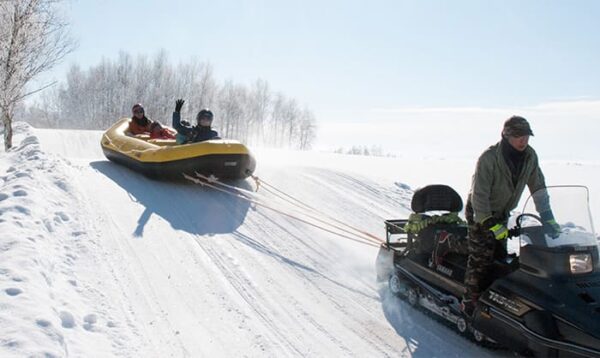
(173, 269)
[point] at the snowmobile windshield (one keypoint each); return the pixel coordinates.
(570, 210)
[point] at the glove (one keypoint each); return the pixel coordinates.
(178, 104)
(551, 227)
(499, 231)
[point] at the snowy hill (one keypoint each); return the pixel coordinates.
(96, 260)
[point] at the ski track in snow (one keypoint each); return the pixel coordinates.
(101, 261)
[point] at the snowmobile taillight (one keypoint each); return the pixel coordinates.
(580, 263)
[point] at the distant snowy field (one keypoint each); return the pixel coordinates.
(96, 260)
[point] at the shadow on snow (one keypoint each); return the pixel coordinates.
(185, 206)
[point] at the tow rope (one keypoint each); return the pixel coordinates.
(301, 209)
(282, 195)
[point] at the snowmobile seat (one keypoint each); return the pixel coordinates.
(435, 209)
(437, 197)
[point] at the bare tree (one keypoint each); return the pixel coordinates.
(258, 106)
(276, 120)
(33, 39)
(290, 117)
(306, 129)
(199, 87)
(230, 106)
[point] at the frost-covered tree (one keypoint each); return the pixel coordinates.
(276, 121)
(33, 39)
(231, 110)
(259, 103)
(96, 97)
(307, 129)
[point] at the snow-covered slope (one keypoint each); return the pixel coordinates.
(96, 260)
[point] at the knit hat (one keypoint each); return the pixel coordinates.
(516, 126)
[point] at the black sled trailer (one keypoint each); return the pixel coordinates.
(543, 299)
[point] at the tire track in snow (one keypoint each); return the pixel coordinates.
(350, 301)
(372, 195)
(244, 287)
(255, 299)
(349, 313)
(291, 300)
(317, 280)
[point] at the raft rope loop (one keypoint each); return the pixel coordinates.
(302, 209)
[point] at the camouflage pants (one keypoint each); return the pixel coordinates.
(483, 250)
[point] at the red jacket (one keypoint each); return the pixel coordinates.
(154, 129)
(139, 126)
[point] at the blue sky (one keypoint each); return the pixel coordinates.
(349, 60)
(380, 53)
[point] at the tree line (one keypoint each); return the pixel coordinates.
(96, 97)
(374, 150)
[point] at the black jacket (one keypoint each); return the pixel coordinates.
(192, 134)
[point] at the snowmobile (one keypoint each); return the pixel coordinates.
(542, 299)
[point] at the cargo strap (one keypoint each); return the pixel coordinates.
(417, 222)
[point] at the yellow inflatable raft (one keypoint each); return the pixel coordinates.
(163, 158)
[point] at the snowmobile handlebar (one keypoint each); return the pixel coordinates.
(514, 232)
(517, 230)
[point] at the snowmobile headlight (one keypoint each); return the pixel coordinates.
(580, 263)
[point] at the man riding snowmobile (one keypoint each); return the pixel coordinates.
(501, 175)
(542, 298)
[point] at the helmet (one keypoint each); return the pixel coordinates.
(516, 126)
(204, 113)
(137, 107)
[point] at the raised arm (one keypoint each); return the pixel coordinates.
(177, 125)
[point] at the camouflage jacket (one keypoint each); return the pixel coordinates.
(493, 193)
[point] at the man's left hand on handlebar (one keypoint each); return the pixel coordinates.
(551, 227)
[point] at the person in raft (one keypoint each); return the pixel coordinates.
(187, 133)
(140, 124)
